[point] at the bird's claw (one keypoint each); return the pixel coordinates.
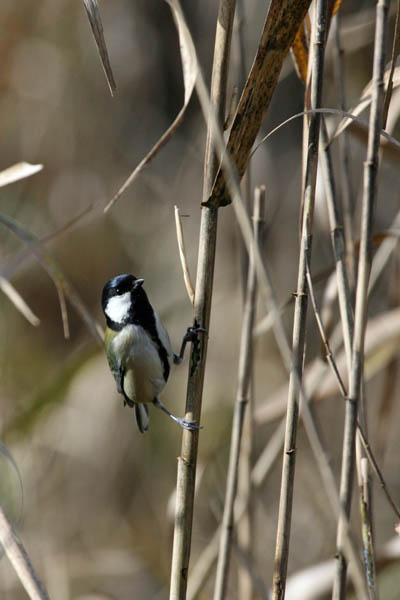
(191, 333)
(188, 424)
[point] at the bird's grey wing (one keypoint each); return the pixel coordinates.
(141, 410)
(117, 371)
(116, 367)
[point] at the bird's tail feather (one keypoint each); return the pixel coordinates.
(142, 417)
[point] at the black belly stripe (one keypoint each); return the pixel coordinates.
(142, 314)
(163, 357)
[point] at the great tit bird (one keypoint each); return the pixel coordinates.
(138, 348)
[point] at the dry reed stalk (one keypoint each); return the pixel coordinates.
(242, 398)
(346, 190)
(364, 266)
(299, 326)
(202, 307)
(245, 526)
(345, 302)
(338, 245)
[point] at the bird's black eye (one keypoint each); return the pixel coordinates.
(118, 291)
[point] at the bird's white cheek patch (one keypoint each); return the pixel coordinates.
(117, 308)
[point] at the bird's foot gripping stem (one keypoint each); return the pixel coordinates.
(191, 335)
(184, 423)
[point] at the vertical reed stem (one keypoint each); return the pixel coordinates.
(244, 374)
(360, 313)
(299, 325)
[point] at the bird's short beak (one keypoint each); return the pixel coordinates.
(138, 283)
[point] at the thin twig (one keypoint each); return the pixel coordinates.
(182, 255)
(299, 325)
(244, 376)
(20, 560)
(202, 307)
(364, 266)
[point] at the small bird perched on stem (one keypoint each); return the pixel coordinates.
(138, 348)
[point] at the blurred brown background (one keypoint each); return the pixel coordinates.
(95, 516)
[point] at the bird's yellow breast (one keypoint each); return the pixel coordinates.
(141, 364)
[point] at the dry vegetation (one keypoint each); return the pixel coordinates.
(92, 500)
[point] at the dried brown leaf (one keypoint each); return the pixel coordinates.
(336, 7)
(299, 52)
(282, 23)
(18, 171)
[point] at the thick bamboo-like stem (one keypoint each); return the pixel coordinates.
(244, 374)
(364, 266)
(205, 272)
(289, 455)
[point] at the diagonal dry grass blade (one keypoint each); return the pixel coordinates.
(366, 96)
(9, 290)
(59, 280)
(12, 265)
(189, 70)
(182, 256)
(93, 13)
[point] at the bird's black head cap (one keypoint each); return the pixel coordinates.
(120, 285)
